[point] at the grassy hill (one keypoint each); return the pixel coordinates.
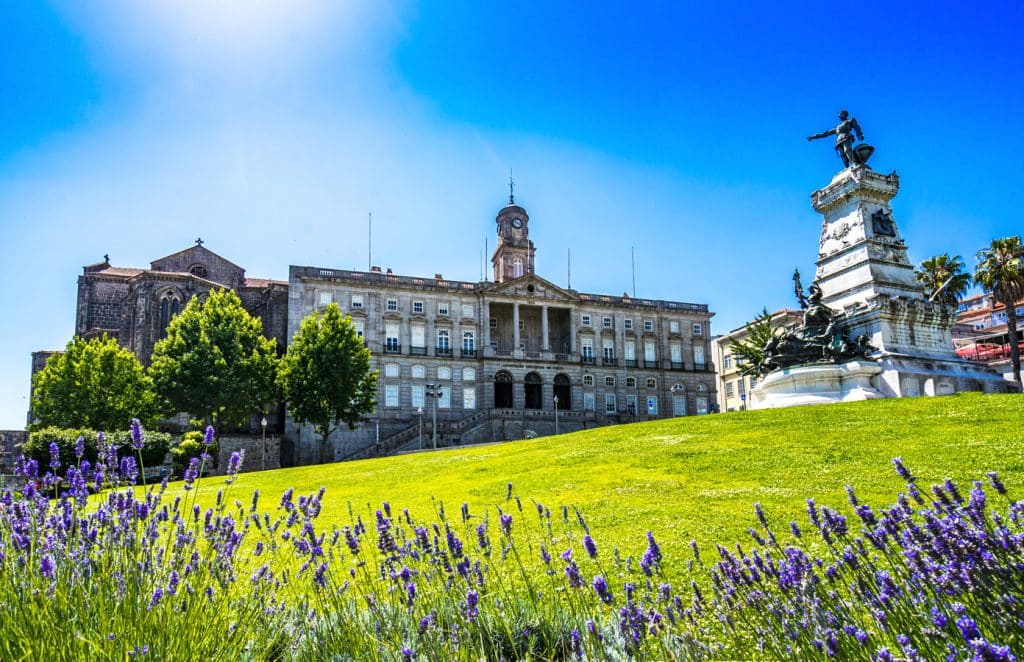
(684, 478)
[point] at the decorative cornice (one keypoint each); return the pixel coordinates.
(859, 181)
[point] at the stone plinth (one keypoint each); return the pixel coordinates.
(817, 384)
(861, 252)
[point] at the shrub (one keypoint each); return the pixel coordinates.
(154, 451)
(190, 446)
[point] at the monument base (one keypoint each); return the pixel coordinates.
(817, 384)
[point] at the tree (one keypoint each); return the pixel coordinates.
(215, 362)
(749, 353)
(943, 278)
(325, 376)
(1000, 271)
(95, 384)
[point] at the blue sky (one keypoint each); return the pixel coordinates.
(272, 128)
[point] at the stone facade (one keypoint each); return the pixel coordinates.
(502, 351)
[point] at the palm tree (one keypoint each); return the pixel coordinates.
(943, 278)
(1000, 271)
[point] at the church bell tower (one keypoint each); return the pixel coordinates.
(513, 256)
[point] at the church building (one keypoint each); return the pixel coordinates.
(505, 359)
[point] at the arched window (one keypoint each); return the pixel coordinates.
(533, 391)
(562, 392)
(170, 306)
(517, 267)
(198, 270)
(503, 390)
(468, 341)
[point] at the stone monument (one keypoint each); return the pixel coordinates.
(864, 288)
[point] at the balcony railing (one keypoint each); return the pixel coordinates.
(609, 361)
(588, 360)
(443, 351)
(468, 353)
(676, 365)
(629, 363)
(417, 351)
(392, 348)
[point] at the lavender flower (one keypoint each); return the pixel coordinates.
(138, 438)
(590, 546)
(506, 524)
(80, 447)
(601, 586)
(209, 435)
(54, 456)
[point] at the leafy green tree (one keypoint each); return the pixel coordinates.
(749, 352)
(1000, 271)
(325, 376)
(215, 362)
(95, 384)
(943, 278)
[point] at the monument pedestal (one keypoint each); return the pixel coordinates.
(865, 276)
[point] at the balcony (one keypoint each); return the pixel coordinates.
(588, 360)
(468, 353)
(443, 351)
(417, 351)
(392, 348)
(629, 363)
(676, 365)
(609, 361)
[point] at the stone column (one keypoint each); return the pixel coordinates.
(572, 330)
(485, 312)
(544, 344)
(515, 327)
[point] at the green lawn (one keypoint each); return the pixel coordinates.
(685, 478)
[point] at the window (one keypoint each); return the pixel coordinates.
(627, 324)
(468, 341)
(608, 350)
(587, 348)
(417, 307)
(585, 320)
(652, 382)
(391, 370)
(522, 325)
(728, 389)
(652, 405)
(360, 328)
(444, 372)
(629, 350)
(419, 372)
(588, 380)
(739, 384)
(445, 399)
(753, 381)
(469, 397)
(517, 267)
(673, 326)
(392, 304)
(442, 308)
(727, 361)
(606, 322)
(198, 270)
(468, 375)
(698, 355)
(493, 322)
(169, 307)
(698, 330)
(391, 338)
(678, 404)
(648, 325)
(630, 382)
(391, 395)
(418, 399)
(631, 404)
(676, 353)
(324, 299)
(649, 351)
(609, 403)
(609, 381)
(467, 310)
(588, 402)
(444, 341)
(418, 338)
(357, 301)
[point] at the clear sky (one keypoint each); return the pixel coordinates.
(271, 128)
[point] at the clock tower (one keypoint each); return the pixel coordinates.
(513, 256)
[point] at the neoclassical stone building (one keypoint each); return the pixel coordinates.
(504, 352)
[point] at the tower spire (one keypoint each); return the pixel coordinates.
(511, 189)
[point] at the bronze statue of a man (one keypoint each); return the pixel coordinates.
(844, 134)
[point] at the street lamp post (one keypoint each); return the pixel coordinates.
(435, 393)
(263, 423)
(419, 411)
(556, 414)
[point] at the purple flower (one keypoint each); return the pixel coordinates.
(544, 555)
(472, 611)
(235, 461)
(138, 438)
(997, 484)
(54, 456)
(46, 566)
(506, 524)
(208, 436)
(939, 619)
(191, 473)
(572, 572)
(158, 594)
(407, 654)
(508, 494)
(590, 546)
(601, 586)
(902, 470)
(481, 536)
(80, 447)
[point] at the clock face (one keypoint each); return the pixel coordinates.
(517, 223)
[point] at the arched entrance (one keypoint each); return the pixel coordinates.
(502, 390)
(533, 389)
(563, 391)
